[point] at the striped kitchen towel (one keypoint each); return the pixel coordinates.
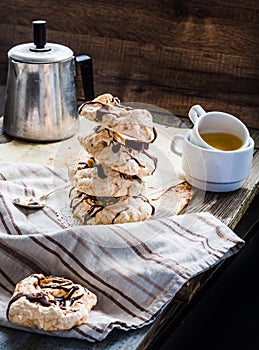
(135, 269)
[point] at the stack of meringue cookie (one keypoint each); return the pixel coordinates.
(109, 187)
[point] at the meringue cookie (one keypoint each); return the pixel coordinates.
(49, 303)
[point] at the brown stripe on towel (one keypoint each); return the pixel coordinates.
(152, 255)
(10, 281)
(128, 267)
(91, 285)
(24, 260)
(9, 213)
(193, 237)
(218, 230)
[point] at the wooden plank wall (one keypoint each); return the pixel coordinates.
(170, 53)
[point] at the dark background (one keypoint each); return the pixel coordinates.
(170, 53)
(225, 315)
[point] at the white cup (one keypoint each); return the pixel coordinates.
(216, 122)
(211, 169)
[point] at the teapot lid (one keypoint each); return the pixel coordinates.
(40, 51)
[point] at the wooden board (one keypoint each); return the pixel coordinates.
(169, 53)
(228, 207)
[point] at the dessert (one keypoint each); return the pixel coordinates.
(133, 123)
(112, 150)
(177, 197)
(107, 99)
(98, 179)
(109, 210)
(49, 303)
(109, 187)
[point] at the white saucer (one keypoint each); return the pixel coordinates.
(214, 186)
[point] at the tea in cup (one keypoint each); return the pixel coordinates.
(211, 169)
(217, 130)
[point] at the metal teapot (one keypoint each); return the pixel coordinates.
(40, 99)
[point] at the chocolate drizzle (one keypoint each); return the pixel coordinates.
(154, 159)
(105, 109)
(43, 298)
(155, 134)
(144, 200)
(91, 213)
(97, 204)
(132, 146)
(82, 165)
(100, 113)
(136, 145)
(147, 201)
(124, 144)
(40, 298)
(131, 177)
(118, 214)
(116, 147)
(100, 171)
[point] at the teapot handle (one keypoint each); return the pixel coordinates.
(86, 65)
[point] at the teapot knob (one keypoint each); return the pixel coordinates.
(39, 35)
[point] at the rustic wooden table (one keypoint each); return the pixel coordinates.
(230, 208)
